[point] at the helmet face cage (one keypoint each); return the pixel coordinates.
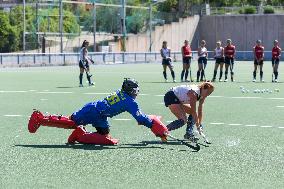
(130, 86)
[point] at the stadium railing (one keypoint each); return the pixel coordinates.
(49, 59)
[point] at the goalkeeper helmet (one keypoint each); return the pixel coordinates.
(130, 86)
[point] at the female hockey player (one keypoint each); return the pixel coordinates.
(182, 100)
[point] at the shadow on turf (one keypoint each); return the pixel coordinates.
(90, 146)
(143, 144)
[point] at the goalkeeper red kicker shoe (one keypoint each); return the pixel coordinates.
(79, 131)
(34, 122)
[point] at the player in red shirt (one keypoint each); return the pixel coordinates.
(276, 53)
(229, 52)
(186, 59)
(258, 51)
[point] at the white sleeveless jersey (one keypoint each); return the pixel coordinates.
(182, 90)
(203, 51)
(82, 54)
(218, 52)
(165, 52)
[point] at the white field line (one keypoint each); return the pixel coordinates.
(13, 91)
(55, 92)
(159, 95)
(43, 99)
(217, 123)
(121, 119)
(12, 115)
(169, 121)
(279, 106)
(281, 127)
(251, 125)
(215, 96)
(276, 98)
(234, 124)
(266, 126)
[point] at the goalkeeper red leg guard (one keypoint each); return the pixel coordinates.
(37, 119)
(82, 136)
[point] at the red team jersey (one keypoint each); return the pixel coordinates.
(187, 51)
(276, 52)
(229, 51)
(258, 50)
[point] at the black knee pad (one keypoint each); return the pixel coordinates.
(102, 131)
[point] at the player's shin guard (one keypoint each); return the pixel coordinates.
(221, 74)
(82, 136)
(37, 119)
(198, 75)
(276, 75)
(190, 125)
(165, 75)
(81, 78)
(173, 75)
(182, 74)
(261, 74)
(254, 74)
(89, 77)
(186, 74)
(202, 75)
(214, 75)
(175, 124)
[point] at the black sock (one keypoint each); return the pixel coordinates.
(254, 74)
(198, 75)
(221, 73)
(175, 124)
(89, 78)
(215, 73)
(173, 75)
(276, 75)
(182, 74)
(226, 74)
(186, 74)
(81, 78)
(202, 75)
(165, 75)
(261, 74)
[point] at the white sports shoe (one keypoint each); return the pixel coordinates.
(225, 80)
(254, 80)
(81, 85)
(174, 81)
(276, 81)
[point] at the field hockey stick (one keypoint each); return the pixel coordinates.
(204, 137)
(196, 147)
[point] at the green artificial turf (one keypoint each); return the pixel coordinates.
(240, 156)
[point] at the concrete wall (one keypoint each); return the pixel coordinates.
(244, 30)
(175, 33)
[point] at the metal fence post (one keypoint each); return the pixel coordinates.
(34, 58)
(113, 58)
(1, 59)
(104, 57)
(18, 59)
(49, 58)
(123, 57)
